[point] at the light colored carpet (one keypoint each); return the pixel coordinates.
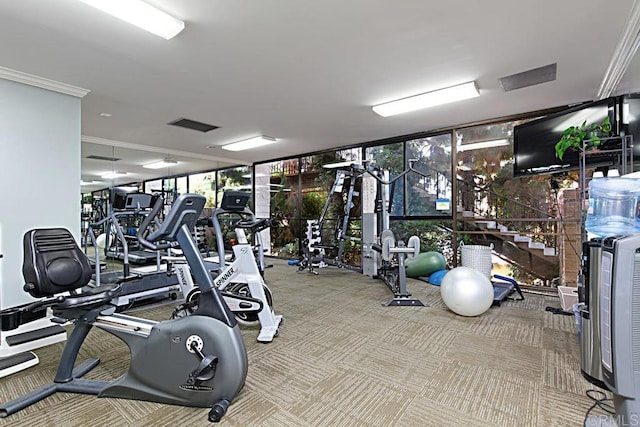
(341, 359)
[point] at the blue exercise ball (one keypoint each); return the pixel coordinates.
(436, 278)
(466, 291)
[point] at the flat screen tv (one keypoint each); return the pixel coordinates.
(534, 142)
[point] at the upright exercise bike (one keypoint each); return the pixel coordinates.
(198, 360)
(241, 280)
(240, 283)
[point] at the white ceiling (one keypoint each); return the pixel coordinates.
(305, 72)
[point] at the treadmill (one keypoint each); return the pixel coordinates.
(127, 203)
(503, 287)
(136, 285)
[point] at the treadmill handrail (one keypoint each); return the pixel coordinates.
(145, 230)
(112, 219)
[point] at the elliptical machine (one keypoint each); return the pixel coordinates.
(198, 360)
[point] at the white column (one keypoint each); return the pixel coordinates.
(39, 168)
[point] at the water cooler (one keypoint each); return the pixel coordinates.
(589, 294)
(612, 210)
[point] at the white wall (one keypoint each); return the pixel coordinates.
(39, 173)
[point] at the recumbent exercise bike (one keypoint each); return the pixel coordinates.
(198, 360)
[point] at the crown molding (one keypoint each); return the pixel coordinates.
(132, 146)
(42, 82)
(623, 54)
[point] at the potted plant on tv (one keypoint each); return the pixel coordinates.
(574, 136)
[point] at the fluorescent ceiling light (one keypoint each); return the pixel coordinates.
(429, 99)
(247, 144)
(92, 182)
(141, 15)
(111, 175)
(161, 164)
(483, 144)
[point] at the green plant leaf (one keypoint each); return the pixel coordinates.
(583, 137)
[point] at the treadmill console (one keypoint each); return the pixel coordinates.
(136, 201)
(234, 200)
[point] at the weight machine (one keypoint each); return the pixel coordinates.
(313, 249)
(382, 256)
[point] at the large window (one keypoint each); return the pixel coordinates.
(277, 199)
(236, 179)
(429, 191)
(204, 184)
(333, 188)
(181, 185)
(390, 160)
(154, 186)
(485, 170)
(486, 185)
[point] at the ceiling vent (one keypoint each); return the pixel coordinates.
(529, 78)
(107, 159)
(192, 124)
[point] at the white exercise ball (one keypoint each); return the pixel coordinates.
(466, 291)
(101, 240)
